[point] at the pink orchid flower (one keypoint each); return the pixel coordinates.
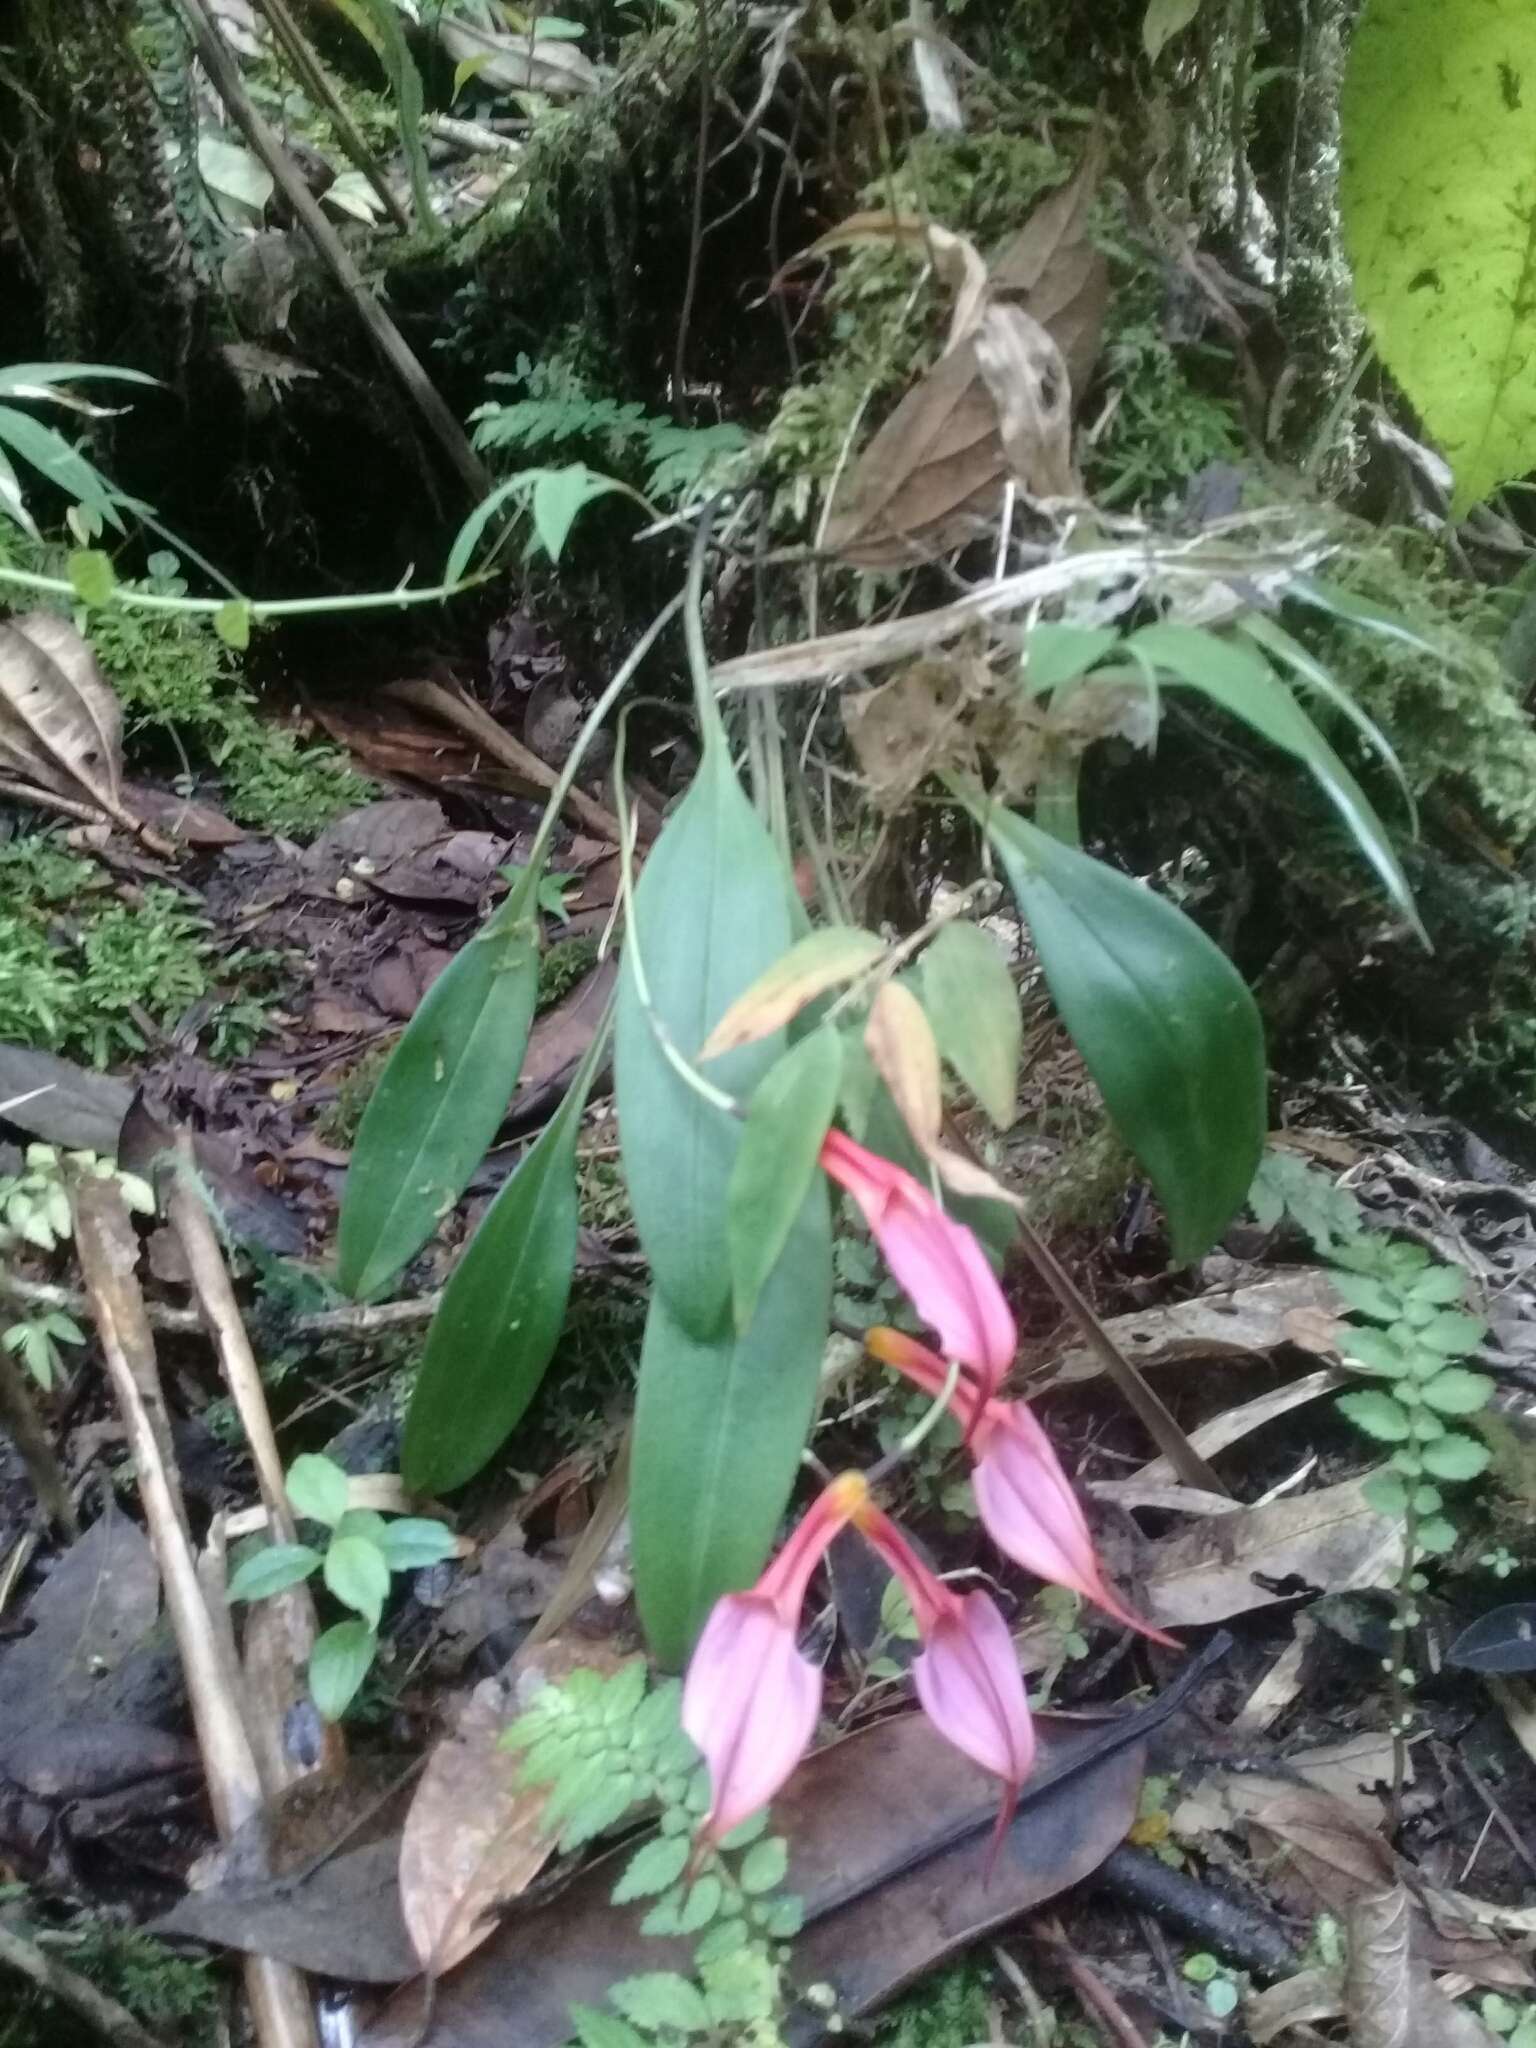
(1025, 1500)
(750, 1700)
(937, 1261)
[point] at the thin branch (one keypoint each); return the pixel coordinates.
(114, 2022)
(332, 251)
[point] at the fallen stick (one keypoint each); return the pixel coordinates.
(466, 716)
(282, 2014)
(114, 2022)
(281, 1631)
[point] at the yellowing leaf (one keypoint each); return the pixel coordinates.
(1438, 191)
(812, 965)
(900, 1041)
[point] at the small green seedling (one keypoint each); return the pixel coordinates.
(36, 1340)
(1500, 1561)
(1222, 1989)
(34, 1204)
(363, 1550)
(1514, 2024)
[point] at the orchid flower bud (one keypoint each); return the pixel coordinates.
(936, 1261)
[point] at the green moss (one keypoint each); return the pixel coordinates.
(337, 1123)
(563, 966)
(172, 1995)
(947, 2010)
(80, 969)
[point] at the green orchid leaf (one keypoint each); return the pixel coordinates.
(355, 1571)
(777, 1162)
(1439, 137)
(1238, 678)
(719, 1428)
(1164, 1021)
(711, 913)
(501, 1314)
(273, 1570)
(973, 1006)
(441, 1097)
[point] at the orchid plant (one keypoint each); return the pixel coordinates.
(751, 1699)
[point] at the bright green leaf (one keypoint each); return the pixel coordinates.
(230, 171)
(468, 68)
(1234, 675)
(1443, 1285)
(232, 623)
(1056, 654)
(764, 1865)
(596, 2029)
(973, 1006)
(559, 495)
(1370, 1297)
(1386, 1492)
(1440, 220)
(1452, 1333)
(603, 1807)
(92, 575)
(272, 1570)
(317, 1488)
(659, 1863)
(777, 1162)
(1165, 1023)
(1437, 1536)
(1454, 1456)
(661, 1999)
(438, 1102)
(338, 1664)
(700, 1905)
(1305, 666)
(365, 1522)
(719, 1428)
(1377, 1414)
(502, 1311)
(711, 913)
(414, 1542)
(1375, 1350)
(356, 1573)
(1457, 1391)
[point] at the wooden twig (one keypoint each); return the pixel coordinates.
(454, 708)
(1148, 1407)
(1113, 2020)
(316, 81)
(281, 1631)
(23, 1425)
(332, 251)
(114, 2022)
(104, 1236)
(474, 136)
(359, 1322)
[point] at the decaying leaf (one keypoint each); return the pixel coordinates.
(1244, 1322)
(1026, 374)
(913, 726)
(812, 966)
(1053, 264)
(932, 475)
(1331, 1539)
(1378, 1981)
(60, 725)
(473, 1836)
(510, 63)
(955, 258)
(900, 1041)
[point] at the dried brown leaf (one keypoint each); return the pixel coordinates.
(1063, 278)
(1025, 373)
(930, 476)
(955, 258)
(1378, 1982)
(1331, 1539)
(911, 727)
(900, 1041)
(61, 727)
(473, 1836)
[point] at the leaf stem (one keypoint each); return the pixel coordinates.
(260, 609)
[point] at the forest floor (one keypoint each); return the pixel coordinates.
(1210, 1830)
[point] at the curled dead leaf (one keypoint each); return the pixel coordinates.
(816, 963)
(954, 257)
(1062, 277)
(1026, 374)
(61, 727)
(900, 1041)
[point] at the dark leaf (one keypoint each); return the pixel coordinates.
(1504, 1640)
